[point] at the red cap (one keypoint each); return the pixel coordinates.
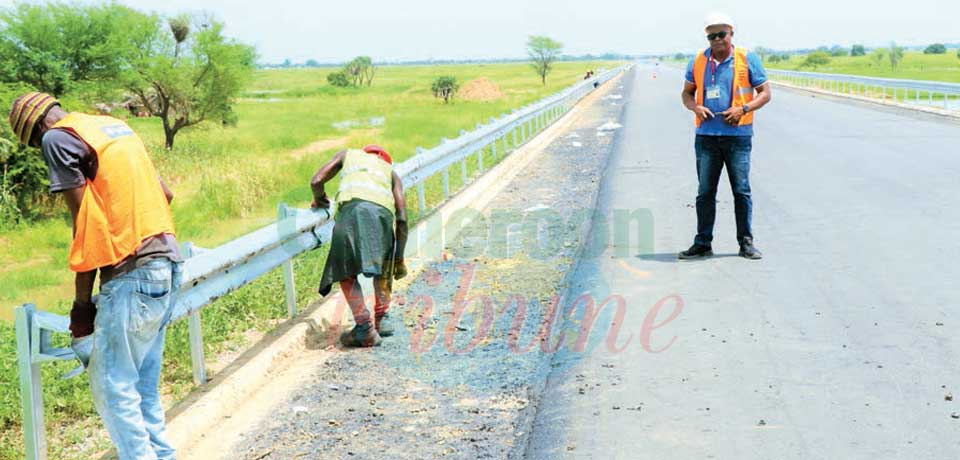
(378, 151)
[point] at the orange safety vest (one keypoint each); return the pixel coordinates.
(742, 91)
(124, 204)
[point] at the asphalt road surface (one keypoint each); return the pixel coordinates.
(840, 344)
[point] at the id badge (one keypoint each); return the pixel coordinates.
(713, 92)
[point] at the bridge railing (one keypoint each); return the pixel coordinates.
(917, 92)
(212, 273)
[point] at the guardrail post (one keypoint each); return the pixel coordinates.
(283, 212)
(480, 159)
(422, 199)
(195, 333)
(493, 150)
(463, 171)
(446, 183)
(31, 391)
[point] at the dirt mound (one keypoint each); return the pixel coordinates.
(480, 89)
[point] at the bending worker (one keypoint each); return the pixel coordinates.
(370, 204)
(720, 86)
(122, 227)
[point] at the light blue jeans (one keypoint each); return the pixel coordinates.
(124, 368)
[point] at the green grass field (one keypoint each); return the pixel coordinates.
(914, 66)
(227, 182)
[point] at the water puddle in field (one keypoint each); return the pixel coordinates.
(373, 122)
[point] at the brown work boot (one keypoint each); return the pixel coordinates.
(362, 335)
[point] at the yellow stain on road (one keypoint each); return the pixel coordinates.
(642, 274)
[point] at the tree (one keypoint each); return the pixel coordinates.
(816, 59)
(358, 72)
(784, 57)
(445, 87)
(858, 50)
(23, 173)
(679, 56)
(837, 51)
(57, 47)
(187, 78)
(878, 55)
(312, 63)
(338, 79)
(543, 51)
(762, 52)
(895, 55)
(936, 48)
(774, 58)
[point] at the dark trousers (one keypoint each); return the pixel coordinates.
(713, 152)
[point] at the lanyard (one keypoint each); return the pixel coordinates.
(713, 67)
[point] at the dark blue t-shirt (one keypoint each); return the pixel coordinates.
(724, 81)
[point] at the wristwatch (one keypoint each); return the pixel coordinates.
(746, 108)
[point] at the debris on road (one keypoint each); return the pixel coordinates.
(609, 126)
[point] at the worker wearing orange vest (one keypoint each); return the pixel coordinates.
(368, 238)
(123, 229)
(724, 87)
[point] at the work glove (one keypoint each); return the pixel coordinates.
(82, 316)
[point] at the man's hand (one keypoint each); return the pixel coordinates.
(322, 202)
(399, 269)
(703, 113)
(732, 115)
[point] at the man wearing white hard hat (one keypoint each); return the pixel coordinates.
(725, 86)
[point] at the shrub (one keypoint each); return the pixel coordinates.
(445, 87)
(858, 50)
(936, 48)
(816, 59)
(338, 79)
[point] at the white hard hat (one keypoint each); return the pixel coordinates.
(716, 19)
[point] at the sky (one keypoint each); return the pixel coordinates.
(335, 31)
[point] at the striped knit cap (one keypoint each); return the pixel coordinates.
(27, 110)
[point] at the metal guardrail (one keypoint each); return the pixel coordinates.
(918, 92)
(212, 273)
(509, 131)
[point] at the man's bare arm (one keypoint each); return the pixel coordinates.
(323, 175)
(166, 190)
(400, 203)
(689, 98)
(84, 282)
(733, 114)
(763, 97)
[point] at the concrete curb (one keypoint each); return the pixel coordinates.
(210, 403)
(872, 100)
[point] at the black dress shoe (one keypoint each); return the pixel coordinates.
(747, 251)
(695, 252)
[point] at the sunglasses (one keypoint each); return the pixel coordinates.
(716, 35)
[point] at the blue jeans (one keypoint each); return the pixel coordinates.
(124, 368)
(713, 152)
